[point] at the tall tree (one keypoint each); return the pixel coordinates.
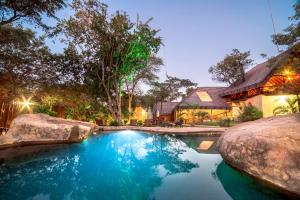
(145, 75)
(27, 10)
(111, 48)
(232, 67)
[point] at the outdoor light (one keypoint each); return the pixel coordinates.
(282, 99)
(25, 103)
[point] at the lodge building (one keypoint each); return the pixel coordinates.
(262, 87)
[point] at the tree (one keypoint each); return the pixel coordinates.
(112, 49)
(145, 75)
(291, 57)
(202, 115)
(28, 10)
(24, 61)
(170, 89)
(232, 67)
(291, 34)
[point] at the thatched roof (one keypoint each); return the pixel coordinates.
(261, 73)
(167, 108)
(194, 101)
(254, 78)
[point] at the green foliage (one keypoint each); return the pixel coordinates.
(170, 89)
(44, 109)
(291, 38)
(225, 122)
(164, 124)
(24, 61)
(202, 115)
(291, 34)
(46, 105)
(139, 123)
(114, 123)
(290, 107)
(83, 112)
(111, 48)
(232, 67)
(250, 113)
(16, 11)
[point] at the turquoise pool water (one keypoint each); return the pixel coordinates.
(128, 165)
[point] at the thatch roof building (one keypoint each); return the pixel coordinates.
(205, 98)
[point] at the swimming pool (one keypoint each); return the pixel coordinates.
(128, 165)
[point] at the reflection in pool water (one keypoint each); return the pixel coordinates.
(128, 165)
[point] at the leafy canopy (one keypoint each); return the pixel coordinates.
(27, 10)
(291, 34)
(111, 49)
(170, 89)
(232, 67)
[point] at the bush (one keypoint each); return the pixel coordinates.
(211, 123)
(164, 124)
(114, 123)
(139, 123)
(225, 122)
(44, 109)
(250, 113)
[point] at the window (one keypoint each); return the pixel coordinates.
(204, 96)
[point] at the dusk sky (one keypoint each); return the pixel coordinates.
(199, 33)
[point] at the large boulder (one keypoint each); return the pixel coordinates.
(30, 129)
(268, 149)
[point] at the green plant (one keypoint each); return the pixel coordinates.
(164, 124)
(290, 107)
(202, 115)
(225, 122)
(250, 113)
(139, 123)
(114, 123)
(211, 123)
(44, 109)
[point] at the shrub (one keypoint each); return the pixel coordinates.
(250, 113)
(114, 123)
(44, 109)
(225, 122)
(139, 123)
(164, 124)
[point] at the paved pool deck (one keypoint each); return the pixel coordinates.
(212, 131)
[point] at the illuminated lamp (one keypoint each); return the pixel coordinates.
(282, 99)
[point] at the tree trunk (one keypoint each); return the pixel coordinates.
(161, 107)
(119, 109)
(298, 99)
(130, 97)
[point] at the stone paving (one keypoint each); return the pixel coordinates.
(170, 130)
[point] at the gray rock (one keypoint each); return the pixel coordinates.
(30, 129)
(268, 149)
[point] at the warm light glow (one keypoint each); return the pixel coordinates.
(287, 72)
(127, 132)
(282, 99)
(204, 96)
(205, 145)
(25, 103)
